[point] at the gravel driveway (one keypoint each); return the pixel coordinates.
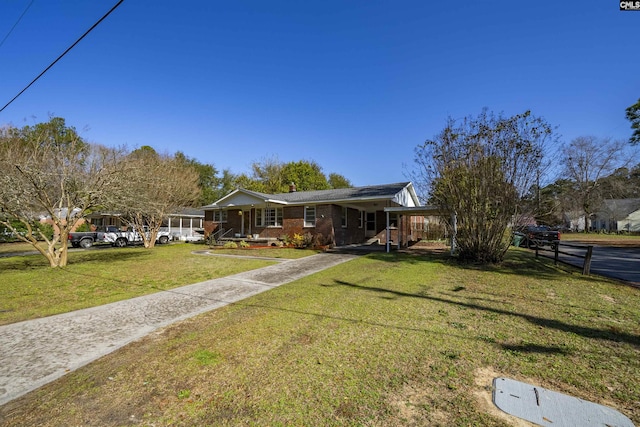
(35, 352)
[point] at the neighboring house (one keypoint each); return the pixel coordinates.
(187, 224)
(574, 220)
(105, 219)
(618, 215)
(332, 217)
(614, 215)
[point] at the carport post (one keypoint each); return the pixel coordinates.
(388, 234)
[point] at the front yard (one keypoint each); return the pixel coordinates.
(30, 289)
(383, 340)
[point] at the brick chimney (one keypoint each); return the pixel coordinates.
(292, 188)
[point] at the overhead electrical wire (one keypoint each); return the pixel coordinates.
(63, 54)
(16, 24)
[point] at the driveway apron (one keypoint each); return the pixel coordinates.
(36, 352)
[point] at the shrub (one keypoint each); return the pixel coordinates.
(244, 244)
(285, 239)
(297, 240)
(230, 245)
(85, 226)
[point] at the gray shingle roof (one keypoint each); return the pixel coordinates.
(622, 207)
(363, 193)
(371, 192)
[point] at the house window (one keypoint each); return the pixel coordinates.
(269, 217)
(343, 218)
(361, 219)
(220, 216)
(309, 216)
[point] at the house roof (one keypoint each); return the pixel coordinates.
(620, 208)
(186, 212)
(402, 193)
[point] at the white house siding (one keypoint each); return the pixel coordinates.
(403, 198)
(630, 223)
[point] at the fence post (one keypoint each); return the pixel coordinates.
(587, 260)
(557, 250)
(537, 249)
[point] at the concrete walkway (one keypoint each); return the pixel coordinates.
(36, 352)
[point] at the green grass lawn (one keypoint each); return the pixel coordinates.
(30, 289)
(17, 247)
(383, 340)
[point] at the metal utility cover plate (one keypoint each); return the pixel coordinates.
(549, 408)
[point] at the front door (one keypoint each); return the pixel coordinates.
(246, 223)
(370, 224)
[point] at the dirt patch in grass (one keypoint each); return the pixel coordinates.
(484, 397)
(425, 247)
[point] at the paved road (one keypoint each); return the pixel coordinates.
(36, 352)
(621, 263)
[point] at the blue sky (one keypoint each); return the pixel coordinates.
(354, 85)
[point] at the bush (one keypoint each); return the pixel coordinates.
(230, 245)
(244, 244)
(85, 226)
(285, 239)
(480, 168)
(46, 229)
(297, 240)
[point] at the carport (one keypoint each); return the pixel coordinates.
(403, 211)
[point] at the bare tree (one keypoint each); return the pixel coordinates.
(586, 161)
(48, 170)
(152, 187)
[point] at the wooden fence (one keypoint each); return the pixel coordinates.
(555, 248)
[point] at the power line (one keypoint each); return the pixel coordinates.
(17, 22)
(63, 54)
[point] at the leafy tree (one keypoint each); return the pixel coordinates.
(153, 186)
(208, 180)
(49, 170)
(586, 161)
(272, 176)
(226, 183)
(339, 181)
(267, 176)
(556, 199)
(248, 183)
(306, 175)
(479, 169)
(623, 183)
(633, 115)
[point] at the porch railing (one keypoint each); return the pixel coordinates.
(220, 234)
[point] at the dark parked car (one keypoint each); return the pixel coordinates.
(86, 239)
(538, 235)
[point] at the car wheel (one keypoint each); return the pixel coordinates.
(86, 243)
(120, 243)
(75, 245)
(163, 240)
